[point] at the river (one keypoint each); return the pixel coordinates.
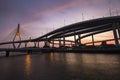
(60, 66)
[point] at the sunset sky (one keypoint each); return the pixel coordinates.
(38, 17)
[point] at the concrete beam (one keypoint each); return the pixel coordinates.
(115, 34)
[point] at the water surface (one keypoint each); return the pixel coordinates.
(61, 66)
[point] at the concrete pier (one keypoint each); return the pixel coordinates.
(7, 53)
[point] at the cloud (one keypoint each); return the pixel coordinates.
(67, 5)
(39, 15)
(57, 9)
(39, 12)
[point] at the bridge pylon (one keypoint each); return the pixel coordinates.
(17, 34)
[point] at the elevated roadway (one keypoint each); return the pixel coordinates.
(88, 28)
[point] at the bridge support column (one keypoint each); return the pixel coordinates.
(19, 45)
(47, 43)
(119, 32)
(25, 44)
(79, 37)
(118, 25)
(115, 34)
(75, 40)
(35, 44)
(17, 34)
(59, 42)
(93, 40)
(64, 41)
(14, 46)
(38, 44)
(7, 53)
(71, 44)
(53, 43)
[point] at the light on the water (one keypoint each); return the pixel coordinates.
(27, 64)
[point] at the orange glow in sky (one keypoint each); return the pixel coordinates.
(40, 16)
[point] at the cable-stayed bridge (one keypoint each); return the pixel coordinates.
(59, 39)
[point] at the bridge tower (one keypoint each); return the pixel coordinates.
(17, 35)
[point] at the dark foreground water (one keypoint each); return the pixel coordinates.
(61, 66)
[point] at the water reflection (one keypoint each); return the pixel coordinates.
(87, 62)
(71, 58)
(52, 56)
(28, 64)
(99, 58)
(93, 65)
(61, 66)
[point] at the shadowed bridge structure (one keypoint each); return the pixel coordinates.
(78, 31)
